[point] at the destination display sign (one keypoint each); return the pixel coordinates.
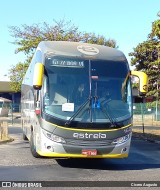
(67, 63)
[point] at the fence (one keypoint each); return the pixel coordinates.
(142, 115)
(15, 107)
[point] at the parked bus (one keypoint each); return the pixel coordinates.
(5, 106)
(77, 101)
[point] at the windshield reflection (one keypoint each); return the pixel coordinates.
(87, 92)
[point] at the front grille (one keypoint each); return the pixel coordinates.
(88, 143)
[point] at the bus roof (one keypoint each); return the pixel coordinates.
(81, 50)
(4, 100)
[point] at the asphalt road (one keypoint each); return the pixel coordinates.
(17, 164)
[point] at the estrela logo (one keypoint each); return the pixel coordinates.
(89, 135)
(88, 50)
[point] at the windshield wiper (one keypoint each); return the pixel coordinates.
(78, 111)
(107, 114)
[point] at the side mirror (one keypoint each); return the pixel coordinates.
(143, 82)
(38, 76)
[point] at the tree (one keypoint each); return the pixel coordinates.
(146, 57)
(27, 39)
(16, 75)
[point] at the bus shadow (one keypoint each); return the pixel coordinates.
(104, 164)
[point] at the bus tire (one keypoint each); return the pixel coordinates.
(24, 137)
(32, 147)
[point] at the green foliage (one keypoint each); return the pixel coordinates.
(146, 57)
(135, 85)
(27, 39)
(155, 33)
(16, 75)
(153, 104)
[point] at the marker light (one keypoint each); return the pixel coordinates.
(37, 111)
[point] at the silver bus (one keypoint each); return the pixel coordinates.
(5, 107)
(77, 101)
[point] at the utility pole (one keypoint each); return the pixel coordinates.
(158, 14)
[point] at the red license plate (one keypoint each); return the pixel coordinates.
(89, 152)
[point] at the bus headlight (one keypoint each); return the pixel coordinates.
(53, 137)
(121, 139)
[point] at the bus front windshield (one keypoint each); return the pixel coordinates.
(86, 91)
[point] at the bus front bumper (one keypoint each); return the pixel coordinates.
(59, 155)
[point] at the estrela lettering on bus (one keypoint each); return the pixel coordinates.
(89, 135)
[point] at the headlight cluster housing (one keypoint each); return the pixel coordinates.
(122, 140)
(53, 137)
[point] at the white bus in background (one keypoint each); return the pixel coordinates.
(77, 101)
(5, 106)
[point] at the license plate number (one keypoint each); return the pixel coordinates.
(89, 152)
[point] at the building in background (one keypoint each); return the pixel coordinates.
(8, 93)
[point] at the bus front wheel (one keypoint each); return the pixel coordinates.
(32, 147)
(24, 137)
